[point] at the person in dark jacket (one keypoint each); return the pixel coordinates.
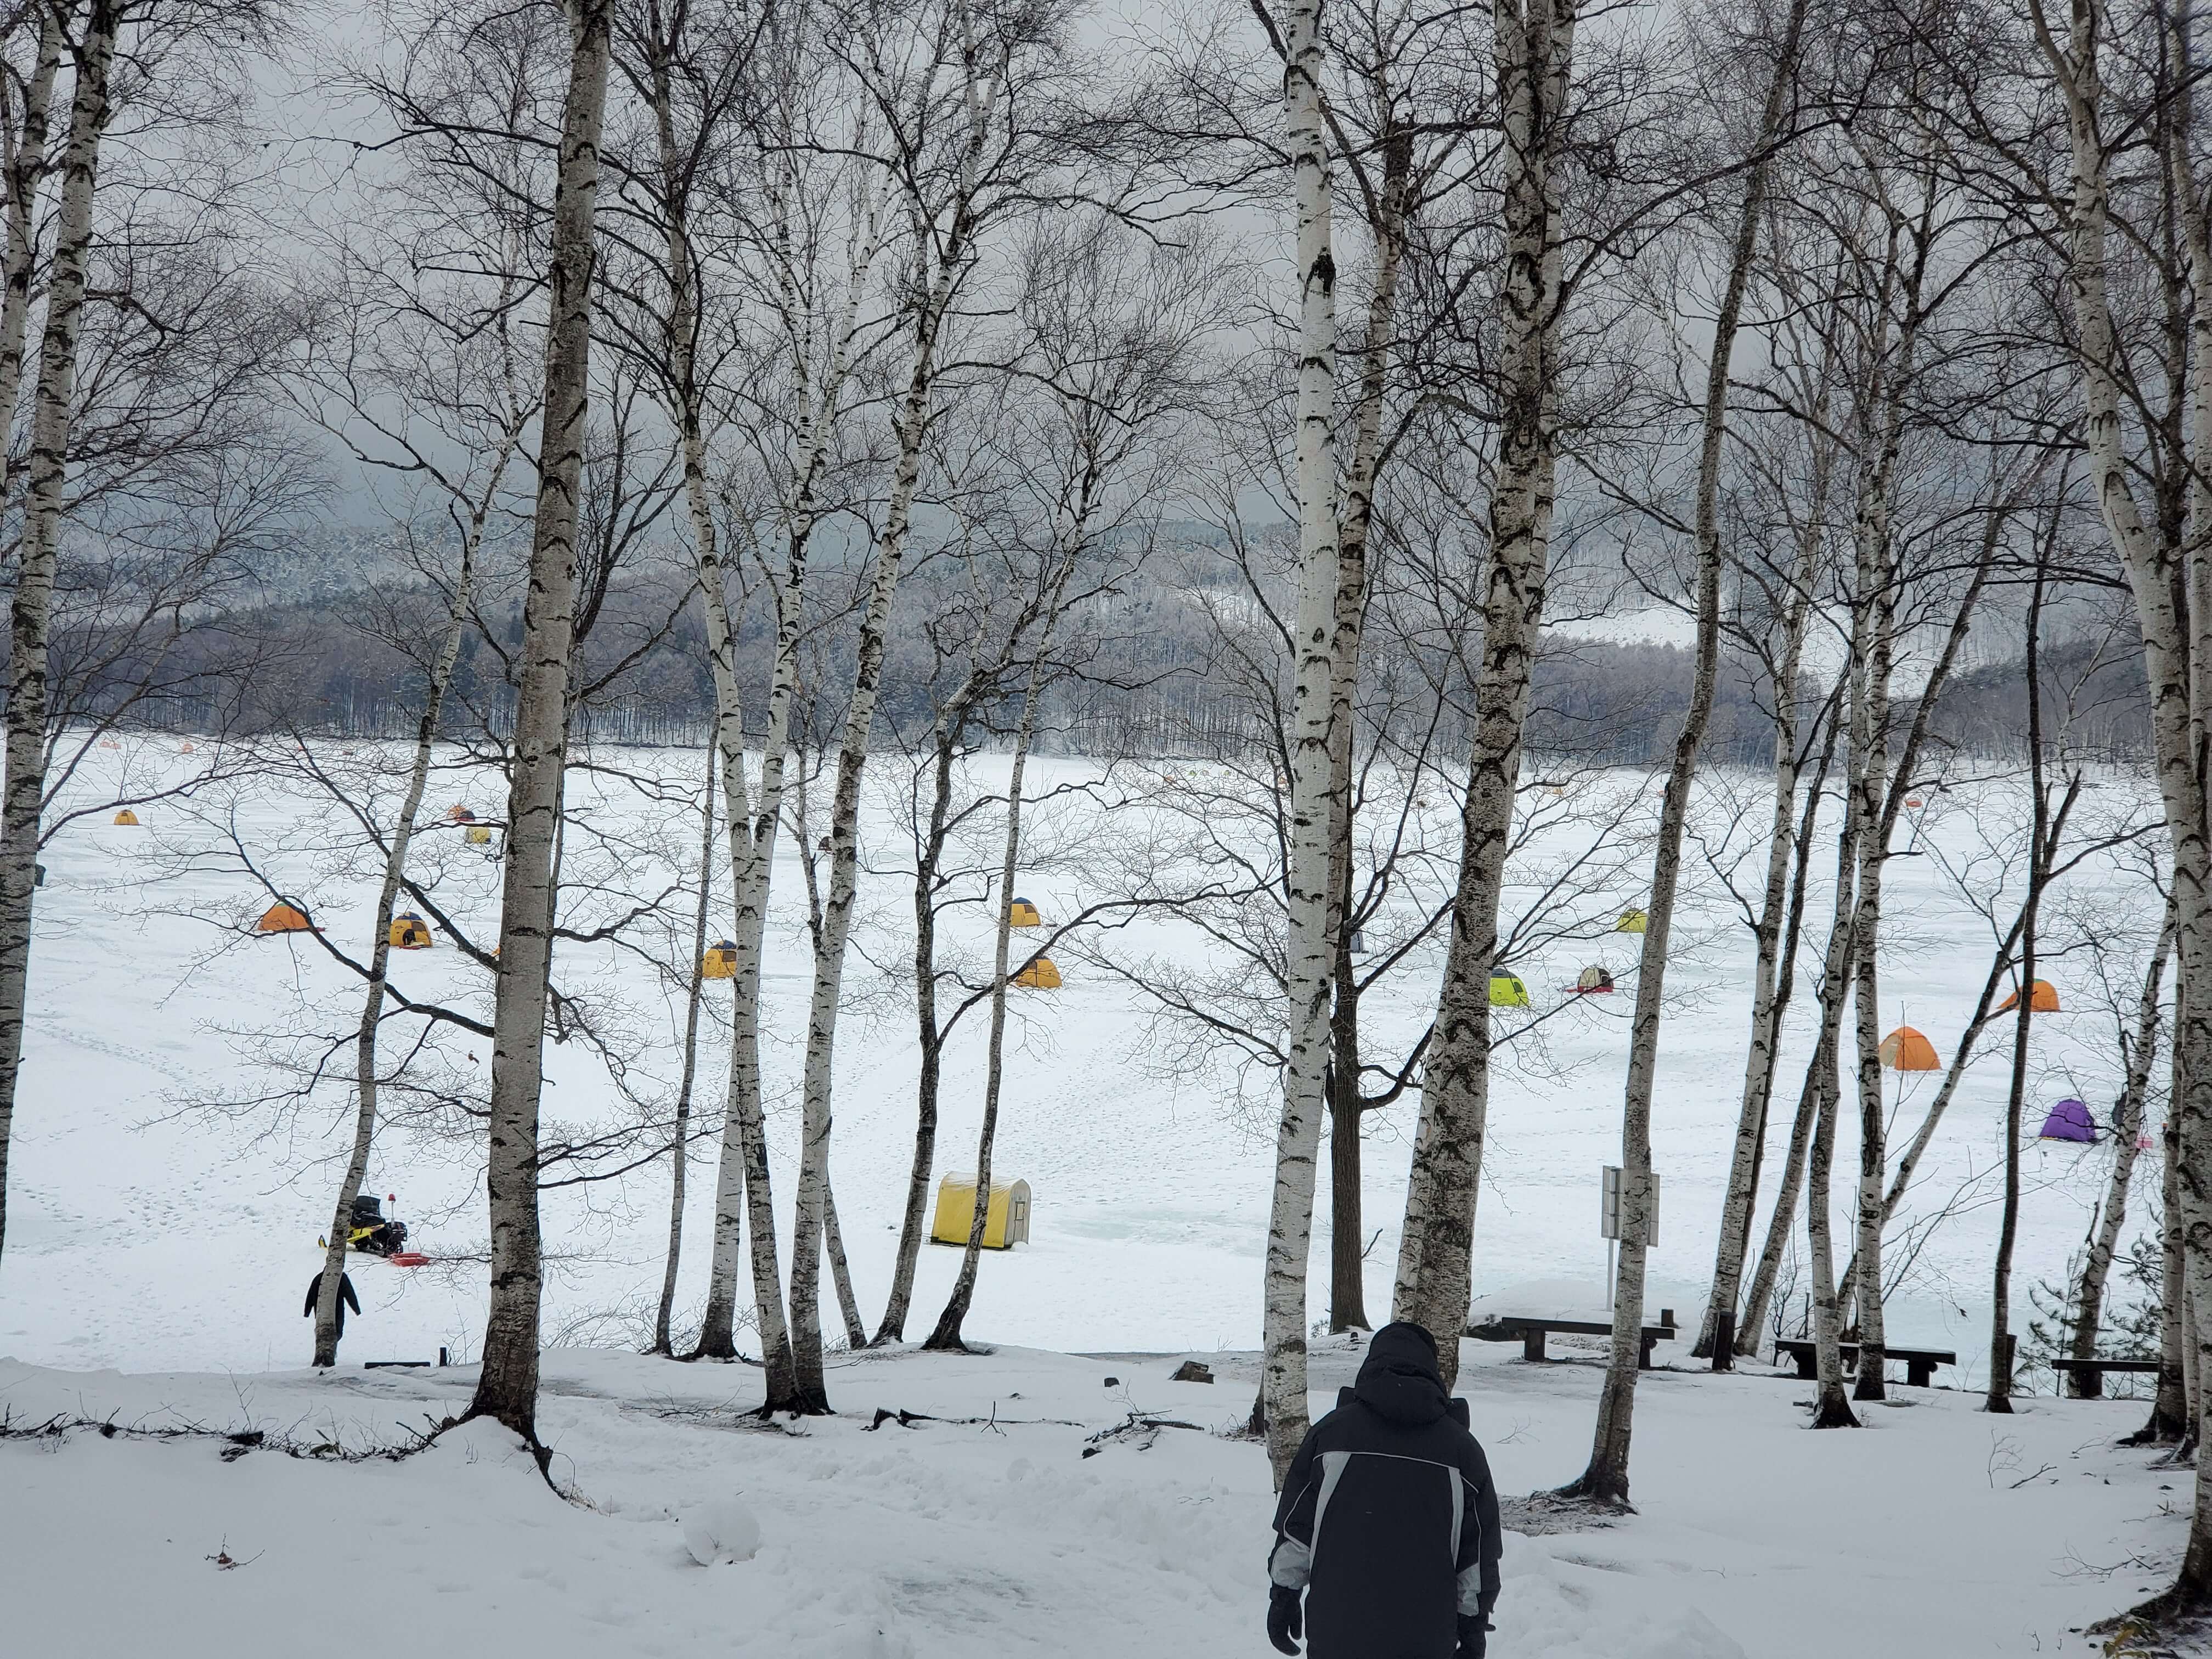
(346, 1297)
(1388, 1524)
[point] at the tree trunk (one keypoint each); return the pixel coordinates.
(2159, 577)
(1534, 45)
(507, 1385)
(1770, 969)
(914, 1216)
(1347, 1296)
(2127, 1131)
(1309, 959)
(1782, 1223)
(947, 1336)
(743, 1171)
(1605, 1478)
(1832, 1409)
(2170, 1417)
(679, 1140)
(45, 501)
(1347, 1289)
(841, 1276)
(395, 869)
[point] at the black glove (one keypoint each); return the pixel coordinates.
(1285, 1623)
(1473, 1635)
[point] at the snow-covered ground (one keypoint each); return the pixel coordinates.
(1934, 1532)
(165, 1197)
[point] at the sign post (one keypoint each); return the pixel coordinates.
(1608, 1219)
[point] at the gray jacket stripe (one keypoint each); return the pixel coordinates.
(1332, 1467)
(1470, 1577)
(1459, 1508)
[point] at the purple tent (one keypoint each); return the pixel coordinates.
(2070, 1120)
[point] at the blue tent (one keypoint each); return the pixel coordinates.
(2070, 1120)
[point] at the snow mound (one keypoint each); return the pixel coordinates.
(1556, 1608)
(725, 1530)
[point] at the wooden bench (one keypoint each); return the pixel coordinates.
(2091, 1372)
(1530, 1333)
(1920, 1364)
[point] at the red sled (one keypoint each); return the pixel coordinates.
(408, 1259)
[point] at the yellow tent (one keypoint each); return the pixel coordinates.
(1006, 1223)
(477, 835)
(282, 919)
(409, 932)
(126, 816)
(2042, 998)
(1631, 921)
(720, 961)
(1022, 913)
(1506, 991)
(1039, 975)
(1906, 1050)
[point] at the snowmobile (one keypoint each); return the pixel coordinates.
(371, 1233)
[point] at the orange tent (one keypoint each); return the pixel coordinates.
(282, 919)
(2042, 998)
(1906, 1050)
(458, 813)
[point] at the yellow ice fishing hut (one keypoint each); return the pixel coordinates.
(1005, 1224)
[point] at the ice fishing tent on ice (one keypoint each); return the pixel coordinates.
(1022, 913)
(1005, 1223)
(282, 919)
(1906, 1050)
(1631, 921)
(1596, 977)
(126, 816)
(2042, 998)
(1506, 991)
(1039, 975)
(720, 961)
(2070, 1120)
(409, 932)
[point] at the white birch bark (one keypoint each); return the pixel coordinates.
(2161, 588)
(1605, 1478)
(1308, 960)
(1347, 1300)
(743, 1202)
(1534, 47)
(507, 1387)
(1718, 1330)
(45, 501)
(2112, 1209)
(981, 92)
(947, 1334)
(679, 1133)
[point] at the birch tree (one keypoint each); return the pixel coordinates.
(1606, 1479)
(90, 44)
(1534, 46)
(950, 187)
(2071, 49)
(818, 307)
(1297, 1135)
(507, 1387)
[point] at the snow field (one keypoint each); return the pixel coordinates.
(139, 1236)
(1757, 1537)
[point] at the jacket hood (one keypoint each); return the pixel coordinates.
(1399, 1379)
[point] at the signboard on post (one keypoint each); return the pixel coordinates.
(1609, 1206)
